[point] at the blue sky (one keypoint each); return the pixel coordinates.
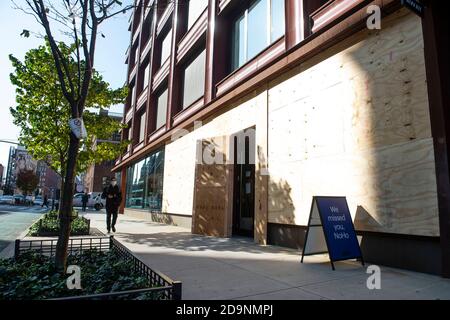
(110, 58)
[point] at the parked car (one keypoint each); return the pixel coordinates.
(7, 200)
(19, 199)
(99, 202)
(29, 200)
(38, 201)
(92, 201)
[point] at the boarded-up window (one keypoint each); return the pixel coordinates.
(194, 80)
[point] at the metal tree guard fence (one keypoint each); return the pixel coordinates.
(161, 286)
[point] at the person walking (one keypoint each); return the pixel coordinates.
(45, 202)
(84, 200)
(113, 198)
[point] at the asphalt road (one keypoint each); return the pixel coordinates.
(14, 220)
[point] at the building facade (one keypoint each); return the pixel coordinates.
(291, 99)
(49, 181)
(19, 159)
(10, 182)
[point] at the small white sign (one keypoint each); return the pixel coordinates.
(78, 128)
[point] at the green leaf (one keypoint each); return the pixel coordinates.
(43, 113)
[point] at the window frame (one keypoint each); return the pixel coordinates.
(146, 182)
(193, 57)
(244, 12)
(142, 122)
(190, 24)
(163, 89)
(165, 35)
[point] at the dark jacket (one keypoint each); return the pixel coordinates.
(113, 198)
(85, 198)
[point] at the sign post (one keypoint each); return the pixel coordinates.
(331, 230)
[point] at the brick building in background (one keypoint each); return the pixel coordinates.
(49, 180)
(20, 159)
(98, 176)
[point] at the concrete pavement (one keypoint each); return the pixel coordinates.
(237, 268)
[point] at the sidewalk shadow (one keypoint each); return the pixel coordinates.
(189, 242)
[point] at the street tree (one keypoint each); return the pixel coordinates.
(27, 181)
(43, 113)
(80, 20)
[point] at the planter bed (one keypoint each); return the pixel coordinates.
(48, 226)
(108, 271)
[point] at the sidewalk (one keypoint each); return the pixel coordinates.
(237, 268)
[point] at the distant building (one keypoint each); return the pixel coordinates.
(20, 159)
(10, 179)
(24, 161)
(49, 180)
(97, 176)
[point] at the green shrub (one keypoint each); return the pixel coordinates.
(33, 276)
(49, 224)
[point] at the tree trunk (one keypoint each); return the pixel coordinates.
(66, 202)
(61, 192)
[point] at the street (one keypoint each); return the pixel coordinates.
(14, 220)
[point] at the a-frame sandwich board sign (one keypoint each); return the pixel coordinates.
(331, 230)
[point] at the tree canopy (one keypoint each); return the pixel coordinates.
(27, 181)
(43, 113)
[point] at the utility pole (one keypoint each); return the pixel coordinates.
(9, 142)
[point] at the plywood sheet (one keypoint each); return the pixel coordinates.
(357, 124)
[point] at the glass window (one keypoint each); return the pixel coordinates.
(136, 185)
(144, 189)
(142, 127)
(239, 41)
(194, 80)
(277, 20)
(155, 182)
(166, 47)
(130, 136)
(161, 111)
(196, 8)
(133, 95)
(136, 56)
(256, 28)
(146, 75)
